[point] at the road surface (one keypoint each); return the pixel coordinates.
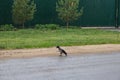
(73, 67)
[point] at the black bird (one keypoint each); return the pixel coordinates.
(61, 51)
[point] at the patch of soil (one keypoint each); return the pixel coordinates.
(24, 53)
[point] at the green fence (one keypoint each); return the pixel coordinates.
(119, 12)
(96, 13)
(5, 11)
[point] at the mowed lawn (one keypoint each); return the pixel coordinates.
(32, 38)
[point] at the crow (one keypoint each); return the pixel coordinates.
(61, 51)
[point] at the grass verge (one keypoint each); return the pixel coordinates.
(32, 38)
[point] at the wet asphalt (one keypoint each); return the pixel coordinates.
(72, 67)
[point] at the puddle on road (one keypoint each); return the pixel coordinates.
(73, 67)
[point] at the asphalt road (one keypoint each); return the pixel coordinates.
(73, 67)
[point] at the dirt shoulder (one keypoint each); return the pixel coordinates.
(24, 53)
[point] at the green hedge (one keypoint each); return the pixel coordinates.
(47, 26)
(7, 27)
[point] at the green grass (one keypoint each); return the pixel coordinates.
(31, 38)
